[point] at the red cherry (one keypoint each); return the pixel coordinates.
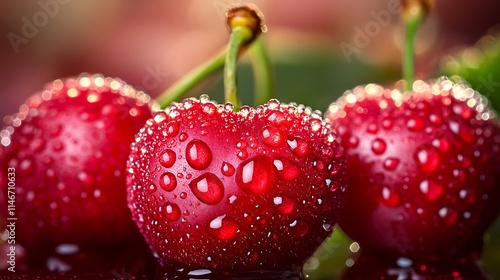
(257, 189)
(423, 169)
(65, 152)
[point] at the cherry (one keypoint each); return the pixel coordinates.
(225, 189)
(214, 188)
(64, 155)
(423, 165)
(423, 169)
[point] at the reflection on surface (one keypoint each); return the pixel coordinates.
(370, 266)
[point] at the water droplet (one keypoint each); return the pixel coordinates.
(55, 130)
(316, 125)
(198, 154)
(223, 228)
(160, 117)
(26, 167)
(208, 188)
(448, 215)
(299, 146)
(168, 182)
(460, 130)
(272, 137)
(37, 145)
(57, 146)
(390, 198)
(227, 169)
(379, 146)
(255, 175)
(51, 174)
(353, 141)
(287, 170)
(284, 204)
(242, 155)
(415, 124)
(387, 123)
(167, 159)
(427, 158)
(183, 137)
(435, 119)
(372, 128)
(299, 228)
(172, 211)
(468, 196)
(86, 178)
(183, 195)
(391, 163)
(431, 189)
(152, 188)
(442, 144)
(172, 129)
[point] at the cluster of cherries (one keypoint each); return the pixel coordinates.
(109, 186)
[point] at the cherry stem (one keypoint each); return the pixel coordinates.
(414, 13)
(245, 24)
(190, 80)
(262, 71)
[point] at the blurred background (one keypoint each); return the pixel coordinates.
(319, 49)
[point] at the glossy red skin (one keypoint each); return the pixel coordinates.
(436, 210)
(274, 226)
(69, 155)
(368, 266)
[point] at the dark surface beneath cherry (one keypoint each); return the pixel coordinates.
(375, 266)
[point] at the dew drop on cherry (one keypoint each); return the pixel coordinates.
(287, 170)
(431, 189)
(299, 147)
(26, 167)
(442, 144)
(372, 128)
(208, 188)
(391, 163)
(167, 158)
(415, 124)
(172, 211)
(86, 178)
(198, 154)
(255, 175)
(390, 198)
(272, 137)
(427, 158)
(353, 141)
(222, 227)
(284, 204)
(460, 130)
(172, 129)
(168, 182)
(227, 169)
(183, 136)
(379, 146)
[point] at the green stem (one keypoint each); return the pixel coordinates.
(262, 71)
(412, 24)
(190, 80)
(240, 36)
